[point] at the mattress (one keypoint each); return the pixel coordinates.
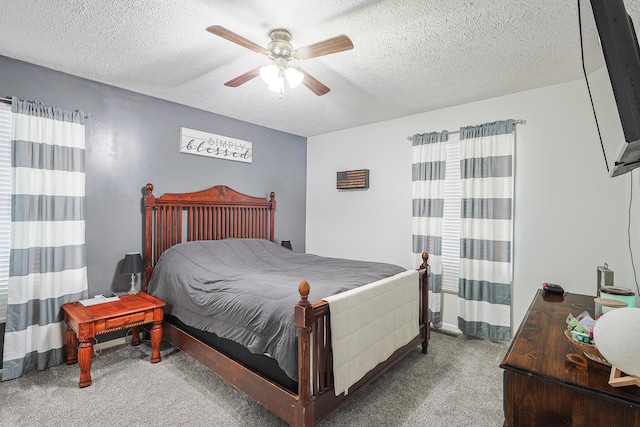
(263, 364)
(245, 290)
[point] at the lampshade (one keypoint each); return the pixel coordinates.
(287, 244)
(269, 73)
(132, 263)
(618, 338)
(275, 77)
(294, 77)
(277, 85)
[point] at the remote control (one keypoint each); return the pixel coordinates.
(552, 288)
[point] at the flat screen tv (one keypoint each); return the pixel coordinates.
(611, 61)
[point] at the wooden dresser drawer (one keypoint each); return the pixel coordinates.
(122, 321)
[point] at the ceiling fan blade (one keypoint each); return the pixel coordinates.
(237, 39)
(243, 78)
(333, 45)
(312, 83)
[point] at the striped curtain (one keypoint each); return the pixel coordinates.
(486, 231)
(47, 266)
(428, 175)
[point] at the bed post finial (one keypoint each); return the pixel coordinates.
(149, 198)
(304, 289)
(425, 260)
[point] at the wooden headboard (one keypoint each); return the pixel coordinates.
(212, 214)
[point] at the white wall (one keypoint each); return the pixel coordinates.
(570, 216)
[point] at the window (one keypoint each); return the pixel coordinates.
(451, 219)
(5, 205)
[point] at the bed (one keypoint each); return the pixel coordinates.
(176, 223)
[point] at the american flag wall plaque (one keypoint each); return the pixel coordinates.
(353, 179)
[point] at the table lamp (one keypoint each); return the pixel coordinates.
(132, 265)
(618, 338)
(286, 244)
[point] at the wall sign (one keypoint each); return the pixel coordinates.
(217, 146)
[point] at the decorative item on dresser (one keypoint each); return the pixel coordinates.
(546, 381)
(617, 334)
(222, 213)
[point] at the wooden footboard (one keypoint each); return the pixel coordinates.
(316, 398)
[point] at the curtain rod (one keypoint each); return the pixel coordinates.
(515, 122)
(7, 100)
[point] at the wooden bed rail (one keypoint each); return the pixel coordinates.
(212, 214)
(315, 363)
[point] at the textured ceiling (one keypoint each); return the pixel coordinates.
(408, 57)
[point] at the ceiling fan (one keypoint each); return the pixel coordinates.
(281, 51)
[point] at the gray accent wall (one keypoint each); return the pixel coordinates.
(133, 139)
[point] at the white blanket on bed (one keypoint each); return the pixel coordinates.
(369, 323)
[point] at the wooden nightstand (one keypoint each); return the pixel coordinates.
(85, 322)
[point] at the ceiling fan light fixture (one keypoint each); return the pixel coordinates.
(269, 73)
(274, 76)
(277, 85)
(294, 77)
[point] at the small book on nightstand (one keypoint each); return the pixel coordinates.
(99, 299)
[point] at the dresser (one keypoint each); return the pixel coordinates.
(542, 387)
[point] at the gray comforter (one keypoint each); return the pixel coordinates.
(245, 290)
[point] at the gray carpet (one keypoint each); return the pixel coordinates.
(459, 383)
